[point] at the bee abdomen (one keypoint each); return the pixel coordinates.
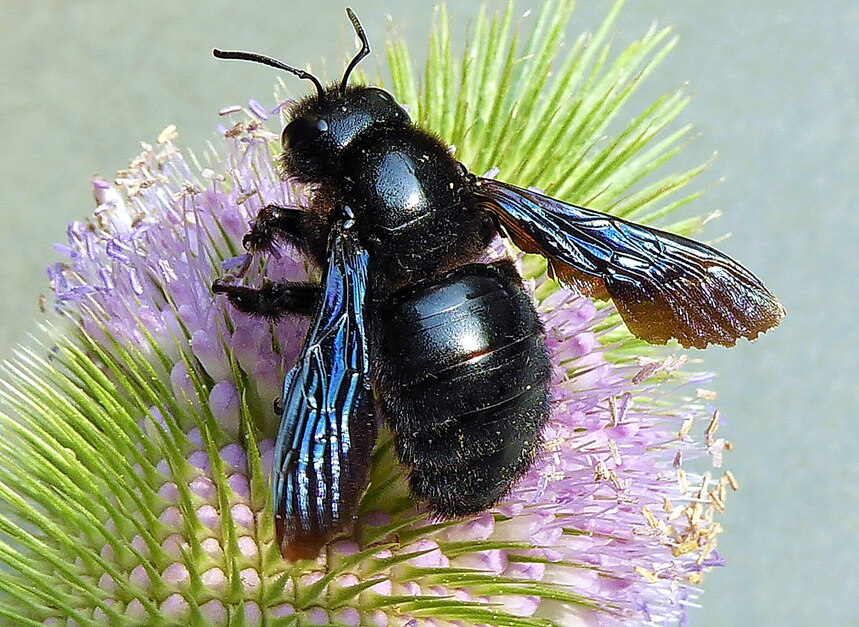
(464, 385)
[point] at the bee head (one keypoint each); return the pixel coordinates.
(324, 124)
(322, 128)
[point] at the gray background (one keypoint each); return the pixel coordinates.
(775, 91)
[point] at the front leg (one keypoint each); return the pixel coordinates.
(274, 223)
(272, 300)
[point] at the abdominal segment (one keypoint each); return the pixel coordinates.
(463, 377)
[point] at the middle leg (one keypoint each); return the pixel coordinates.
(272, 300)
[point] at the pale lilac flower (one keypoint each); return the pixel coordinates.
(146, 444)
(617, 529)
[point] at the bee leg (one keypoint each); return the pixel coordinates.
(274, 223)
(272, 300)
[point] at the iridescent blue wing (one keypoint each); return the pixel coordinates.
(322, 451)
(664, 286)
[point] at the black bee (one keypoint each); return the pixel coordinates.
(450, 350)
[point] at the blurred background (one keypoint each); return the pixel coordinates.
(775, 92)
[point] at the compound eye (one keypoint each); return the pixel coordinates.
(302, 130)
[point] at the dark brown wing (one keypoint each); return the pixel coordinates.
(664, 285)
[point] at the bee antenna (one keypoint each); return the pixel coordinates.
(258, 58)
(363, 52)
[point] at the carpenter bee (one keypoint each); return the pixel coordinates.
(408, 322)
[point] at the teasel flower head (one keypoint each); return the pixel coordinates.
(136, 439)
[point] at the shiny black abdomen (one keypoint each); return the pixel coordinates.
(462, 374)
(408, 196)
